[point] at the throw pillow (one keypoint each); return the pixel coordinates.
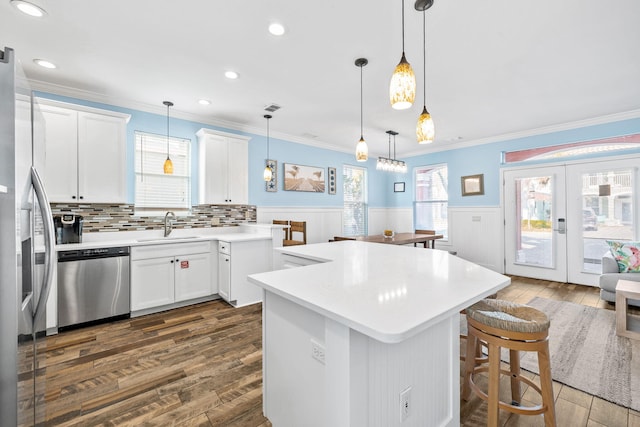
(627, 254)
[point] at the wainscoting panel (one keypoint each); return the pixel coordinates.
(477, 234)
(322, 223)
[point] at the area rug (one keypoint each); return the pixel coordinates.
(586, 353)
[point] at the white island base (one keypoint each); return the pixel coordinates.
(363, 334)
(361, 380)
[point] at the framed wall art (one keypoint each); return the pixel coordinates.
(272, 186)
(398, 187)
(473, 185)
(303, 178)
(333, 180)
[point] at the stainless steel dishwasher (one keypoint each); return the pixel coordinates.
(93, 284)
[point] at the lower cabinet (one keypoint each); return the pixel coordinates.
(237, 260)
(165, 274)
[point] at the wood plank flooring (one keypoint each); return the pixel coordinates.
(202, 366)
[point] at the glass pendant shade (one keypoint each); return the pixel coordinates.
(267, 174)
(425, 130)
(362, 151)
(168, 166)
(402, 89)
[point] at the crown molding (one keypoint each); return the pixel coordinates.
(610, 118)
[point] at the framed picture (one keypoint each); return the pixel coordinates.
(398, 187)
(272, 186)
(332, 180)
(303, 178)
(473, 185)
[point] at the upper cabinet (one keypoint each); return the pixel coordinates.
(224, 170)
(85, 157)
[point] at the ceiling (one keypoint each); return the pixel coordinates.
(494, 68)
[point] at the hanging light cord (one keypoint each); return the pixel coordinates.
(403, 27)
(168, 105)
(424, 55)
(390, 146)
(394, 147)
(361, 104)
(267, 116)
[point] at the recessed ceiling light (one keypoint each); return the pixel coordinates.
(28, 8)
(276, 29)
(204, 102)
(45, 64)
(231, 75)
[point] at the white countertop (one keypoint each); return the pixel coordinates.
(387, 292)
(155, 237)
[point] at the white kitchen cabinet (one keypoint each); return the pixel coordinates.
(223, 167)
(152, 282)
(162, 275)
(84, 153)
(236, 260)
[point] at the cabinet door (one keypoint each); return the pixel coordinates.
(213, 170)
(61, 153)
(193, 276)
(101, 154)
(152, 283)
(238, 172)
(224, 276)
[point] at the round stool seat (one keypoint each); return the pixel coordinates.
(508, 316)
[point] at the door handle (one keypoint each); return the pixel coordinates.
(562, 226)
(49, 241)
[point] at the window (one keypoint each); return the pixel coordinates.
(154, 189)
(432, 198)
(354, 217)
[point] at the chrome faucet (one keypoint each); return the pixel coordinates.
(167, 223)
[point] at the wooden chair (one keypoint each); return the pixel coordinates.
(286, 230)
(339, 238)
(431, 232)
(299, 227)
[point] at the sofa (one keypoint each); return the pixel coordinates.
(610, 276)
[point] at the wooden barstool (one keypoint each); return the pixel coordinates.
(503, 324)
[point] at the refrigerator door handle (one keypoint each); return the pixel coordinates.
(49, 236)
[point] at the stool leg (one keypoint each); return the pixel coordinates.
(546, 384)
(514, 368)
(469, 364)
(494, 385)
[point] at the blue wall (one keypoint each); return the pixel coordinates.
(483, 159)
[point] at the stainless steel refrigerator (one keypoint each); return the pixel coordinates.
(27, 259)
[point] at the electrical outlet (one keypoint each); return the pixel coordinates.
(405, 404)
(317, 351)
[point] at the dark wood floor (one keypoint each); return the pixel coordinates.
(201, 366)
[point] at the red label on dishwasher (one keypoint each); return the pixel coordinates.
(184, 264)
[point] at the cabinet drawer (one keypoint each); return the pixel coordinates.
(169, 249)
(224, 247)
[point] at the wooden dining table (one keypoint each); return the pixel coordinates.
(403, 239)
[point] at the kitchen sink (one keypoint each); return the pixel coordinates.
(165, 239)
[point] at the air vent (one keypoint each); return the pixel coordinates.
(271, 107)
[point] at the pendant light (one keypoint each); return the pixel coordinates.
(425, 129)
(390, 164)
(168, 164)
(362, 151)
(268, 173)
(402, 89)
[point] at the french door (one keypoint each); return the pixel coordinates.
(559, 218)
(535, 223)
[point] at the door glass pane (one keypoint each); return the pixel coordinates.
(534, 244)
(607, 213)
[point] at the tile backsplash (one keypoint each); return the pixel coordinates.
(104, 217)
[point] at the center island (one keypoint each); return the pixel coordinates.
(365, 334)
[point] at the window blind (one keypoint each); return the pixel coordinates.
(432, 199)
(354, 217)
(154, 189)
